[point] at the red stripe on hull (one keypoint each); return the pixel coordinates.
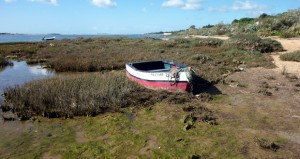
(182, 86)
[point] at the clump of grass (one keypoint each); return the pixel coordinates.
(293, 56)
(204, 97)
(4, 62)
(194, 42)
(80, 95)
(284, 70)
(199, 113)
(266, 89)
(254, 43)
(207, 42)
(267, 144)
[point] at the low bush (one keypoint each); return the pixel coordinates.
(270, 45)
(293, 56)
(208, 42)
(76, 95)
(288, 34)
(253, 43)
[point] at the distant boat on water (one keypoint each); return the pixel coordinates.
(49, 38)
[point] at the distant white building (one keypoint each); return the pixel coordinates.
(166, 34)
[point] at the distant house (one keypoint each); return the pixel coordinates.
(166, 34)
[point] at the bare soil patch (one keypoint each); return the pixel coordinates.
(47, 155)
(290, 45)
(81, 138)
(150, 144)
(269, 99)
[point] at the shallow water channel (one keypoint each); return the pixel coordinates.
(19, 73)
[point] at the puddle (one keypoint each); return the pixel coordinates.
(20, 73)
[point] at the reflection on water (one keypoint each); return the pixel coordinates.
(20, 73)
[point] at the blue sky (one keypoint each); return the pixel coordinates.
(127, 16)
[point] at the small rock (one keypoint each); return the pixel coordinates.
(8, 116)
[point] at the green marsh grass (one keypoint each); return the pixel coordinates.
(75, 95)
(85, 94)
(102, 54)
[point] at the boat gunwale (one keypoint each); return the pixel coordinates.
(157, 70)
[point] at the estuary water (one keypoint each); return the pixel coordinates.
(20, 73)
(5, 38)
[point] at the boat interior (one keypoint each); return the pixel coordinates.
(152, 66)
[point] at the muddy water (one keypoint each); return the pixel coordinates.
(20, 73)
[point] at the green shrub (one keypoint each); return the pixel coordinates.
(270, 45)
(208, 26)
(287, 34)
(294, 56)
(264, 25)
(264, 15)
(284, 23)
(243, 21)
(253, 43)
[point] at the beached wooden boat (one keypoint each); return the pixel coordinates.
(161, 75)
(50, 38)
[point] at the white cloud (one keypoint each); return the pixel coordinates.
(183, 4)
(173, 3)
(104, 3)
(9, 1)
(248, 5)
(220, 9)
(252, 7)
(53, 2)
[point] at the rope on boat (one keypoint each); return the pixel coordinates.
(174, 73)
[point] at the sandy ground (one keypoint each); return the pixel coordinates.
(289, 45)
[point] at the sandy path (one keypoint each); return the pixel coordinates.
(289, 45)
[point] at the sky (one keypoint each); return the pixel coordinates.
(128, 16)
